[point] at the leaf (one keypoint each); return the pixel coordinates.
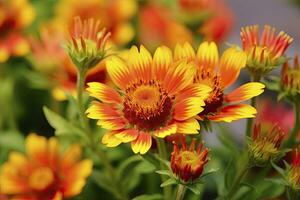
(126, 165)
(278, 169)
(211, 171)
(195, 188)
(62, 126)
(12, 140)
(164, 172)
(101, 180)
(145, 167)
(168, 182)
(149, 197)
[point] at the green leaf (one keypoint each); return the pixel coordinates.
(209, 172)
(195, 188)
(145, 167)
(102, 181)
(127, 166)
(12, 140)
(278, 169)
(62, 126)
(149, 197)
(164, 172)
(168, 182)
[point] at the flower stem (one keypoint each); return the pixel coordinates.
(236, 182)
(291, 141)
(162, 151)
(180, 192)
(120, 194)
(249, 127)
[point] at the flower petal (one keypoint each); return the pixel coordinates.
(140, 62)
(36, 147)
(71, 156)
(184, 51)
(112, 124)
(103, 93)
(245, 92)
(102, 111)
(231, 63)
(190, 126)
(179, 76)
(188, 108)
(119, 72)
(127, 135)
(208, 55)
(161, 62)
(142, 144)
(168, 130)
(110, 139)
(194, 90)
(234, 112)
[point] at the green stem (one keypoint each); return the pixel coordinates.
(162, 151)
(250, 121)
(180, 192)
(120, 194)
(236, 182)
(291, 141)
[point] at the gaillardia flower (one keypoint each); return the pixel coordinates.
(219, 74)
(290, 79)
(293, 173)
(266, 52)
(87, 47)
(156, 97)
(44, 173)
(14, 17)
(265, 145)
(188, 163)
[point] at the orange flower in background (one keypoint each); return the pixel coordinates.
(44, 173)
(158, 26)
(187, 163)
(219, 74)
(14, 17)
(115, 15)
(51, 59)
(265, 52)
(156, 98)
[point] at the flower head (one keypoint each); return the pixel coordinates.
(156, 97)
(88, 42)
(14, 17)
(44, 173)
(219, 74)
(265, 145)
(290, 79)
(188, 163)
(293, 175)
(265, 52)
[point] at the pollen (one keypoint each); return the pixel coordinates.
(147, 106)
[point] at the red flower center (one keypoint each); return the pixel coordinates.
(147, 106)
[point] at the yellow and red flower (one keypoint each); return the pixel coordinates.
(115, 15)
(51, 59)
(14, 17)
(219, 74)
(265, 145)
(156, 97)
(188, 163)
(265, 52)
(44, 173)
(293, 175)
(290, 79)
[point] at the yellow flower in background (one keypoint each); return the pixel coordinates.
(15, 15)
(266, 52)
(156, 97)
(219, 74)
(115, 15)
(45, 172)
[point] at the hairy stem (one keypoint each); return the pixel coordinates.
(180, 192)
(162, 151)
(250, 121)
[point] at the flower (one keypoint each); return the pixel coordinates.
(156, 97)
(290, 79)
(265, 52)
(188, 164)
(15, 16)
(115, 15)
(50, 59)
(219, 74)
(44, 173)
(265, 145)
(293, 174)
(87, 47)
